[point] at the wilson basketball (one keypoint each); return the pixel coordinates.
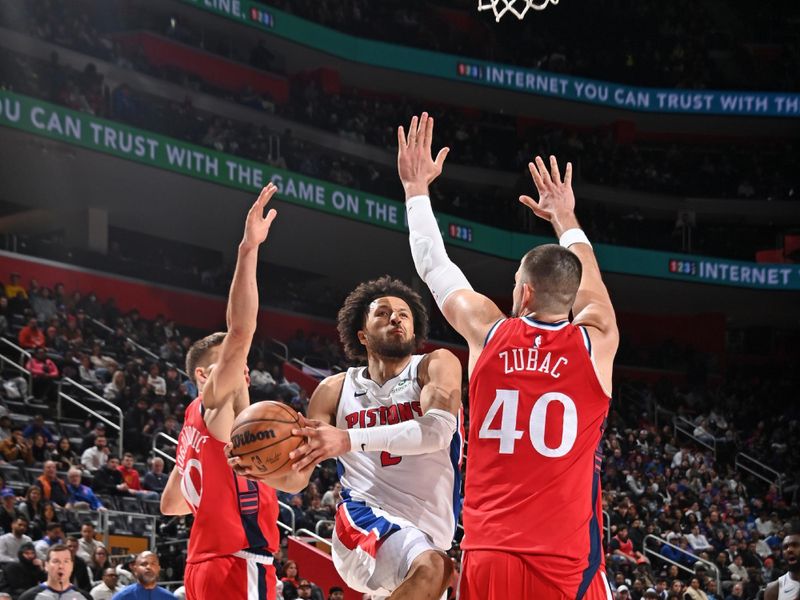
(262, 437)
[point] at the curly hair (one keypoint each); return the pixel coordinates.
(354, 311)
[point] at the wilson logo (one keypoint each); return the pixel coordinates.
(248, 437)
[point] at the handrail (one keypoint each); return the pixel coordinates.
(662, 542)
(97, 397)
(282, 345)
(778, 481)
(308, 533)
(20, 349)
(607, 528)
(28, 375)
(291, 512)
(657, 408)
(677, 421)
(95, 414)
(320, 522)
(304, 366)
(156, 450)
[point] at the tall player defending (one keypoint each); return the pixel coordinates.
(235, 531)
(788, 585)
(395, 425)
(539, 394)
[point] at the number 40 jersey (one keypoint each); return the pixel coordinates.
(424, 489)
(537, 416)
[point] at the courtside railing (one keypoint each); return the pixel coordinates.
(756, 468)
(94, 397)
(661, 542)
(171, 441)
(686, 427)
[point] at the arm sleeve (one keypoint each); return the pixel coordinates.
(432, 431)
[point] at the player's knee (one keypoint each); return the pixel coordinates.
(432, 569)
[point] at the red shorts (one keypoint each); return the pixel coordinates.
(231, 578)
(496, 575)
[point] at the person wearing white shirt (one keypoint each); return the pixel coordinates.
(11, 542)
(87, 543)
(156, 382)
(106, 589)
(95, 457)
(698, 541)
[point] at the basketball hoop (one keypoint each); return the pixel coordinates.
(519, 8)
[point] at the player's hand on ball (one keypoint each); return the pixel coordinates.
(415, 164)
(323, 441)
(235, 463)
(257, 225)
(556, 198)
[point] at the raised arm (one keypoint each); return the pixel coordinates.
(225, 392)
(470, 313)
(592, 308)
(440, 401)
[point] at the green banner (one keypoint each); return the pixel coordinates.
(509, 77)
(55, 122)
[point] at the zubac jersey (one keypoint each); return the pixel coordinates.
(231, 513)
(537, 416)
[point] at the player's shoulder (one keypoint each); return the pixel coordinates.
(332, 383)
(326, 396)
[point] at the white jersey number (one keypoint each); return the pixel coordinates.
(507, 403)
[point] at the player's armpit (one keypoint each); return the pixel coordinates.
(172, 500)
(472, 315)
(440, 377)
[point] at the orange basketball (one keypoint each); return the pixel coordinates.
(262, 437)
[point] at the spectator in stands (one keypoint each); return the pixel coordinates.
(14, 288)
(31, 336)
(304, 589)
(42, 521)
(155, 479)
(37, 426)
(333, 496)
(290, 580)
(44, 373)
(88, 374)
(11, 542)
(54, 536)
(146, 570)
(80, 572)
(98, 563)
(693, 592)
(131, 477)
(8, 510)
(737, 592)
(81, 497)
(96, 456)
(87, 543)
(711, 589)
(39, 449)
(43, 305)
(108, 479)
(64, 456)
(107, 587)
(88, 441)
(5, 427)
(23, 573)
(622, 548)
(261, 381)
(15, 449)
(336, 593)
(32, 506)
(59, 566)
(155, 382)
(737, 570)
(53, 487)
(139, 425)
(114, 388)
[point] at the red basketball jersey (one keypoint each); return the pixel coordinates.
(537, 415)
(231, 513)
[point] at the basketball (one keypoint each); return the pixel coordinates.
(262, 437)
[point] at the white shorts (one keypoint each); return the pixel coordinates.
(373, 551)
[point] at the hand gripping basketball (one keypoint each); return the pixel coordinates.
(323, 442)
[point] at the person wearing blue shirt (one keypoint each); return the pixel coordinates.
(79, 494)
(146, 570)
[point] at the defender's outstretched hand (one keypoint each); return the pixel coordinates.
(556, 199)
(257, 224)
(415, 163)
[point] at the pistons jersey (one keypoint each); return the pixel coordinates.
(537, 416)
(231, 513)
(382, 492)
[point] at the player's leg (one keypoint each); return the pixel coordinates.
(427, 579)
(241, 579)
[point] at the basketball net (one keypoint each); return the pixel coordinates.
(518, 8)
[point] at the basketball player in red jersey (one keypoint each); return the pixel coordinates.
(540, 389)
(234, 532)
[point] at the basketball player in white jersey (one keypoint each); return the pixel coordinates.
(788, 585)
(395, 426)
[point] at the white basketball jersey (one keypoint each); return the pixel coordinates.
(788, 588)
(423, 489)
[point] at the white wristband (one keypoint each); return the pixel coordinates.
(574, 236)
